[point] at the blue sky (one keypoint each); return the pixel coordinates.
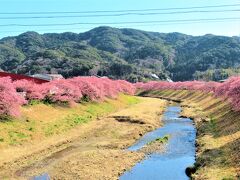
(228, 28)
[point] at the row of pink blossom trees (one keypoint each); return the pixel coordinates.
(13, 94)
(74, 90)
(229, 90)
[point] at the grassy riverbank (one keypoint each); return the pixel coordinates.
(218, 137)
(40, 121)
(91, 145)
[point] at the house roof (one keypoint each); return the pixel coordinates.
(15, 77)
(48, 77)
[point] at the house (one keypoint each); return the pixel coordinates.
(48, 77)
(154, 76)
(222, 80)
(16, 77)
(169, 80)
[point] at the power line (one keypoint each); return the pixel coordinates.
(122, 26)
(124, 14)
(129, 10)
(117, 23)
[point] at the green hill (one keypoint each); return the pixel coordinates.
(121, 53)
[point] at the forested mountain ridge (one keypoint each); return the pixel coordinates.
(121, 53)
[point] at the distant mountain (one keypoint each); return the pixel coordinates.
(121, 53)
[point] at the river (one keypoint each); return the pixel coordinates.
(179, 154)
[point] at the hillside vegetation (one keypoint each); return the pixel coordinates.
(128, 54)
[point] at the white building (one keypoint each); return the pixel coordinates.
(48, 77)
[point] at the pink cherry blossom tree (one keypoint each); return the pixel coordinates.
(10, 100)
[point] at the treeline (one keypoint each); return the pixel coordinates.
(216, 74)
(229, 90)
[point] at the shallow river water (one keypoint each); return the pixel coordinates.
(179, 154)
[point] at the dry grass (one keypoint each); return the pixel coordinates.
(111, 161)
(146, 113)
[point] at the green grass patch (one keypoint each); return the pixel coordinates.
(163, 139)
(93, 110)
(33, 102)
(66, 123)
(16, 137)
(131, 100)
(228, 178)
(212, 126)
